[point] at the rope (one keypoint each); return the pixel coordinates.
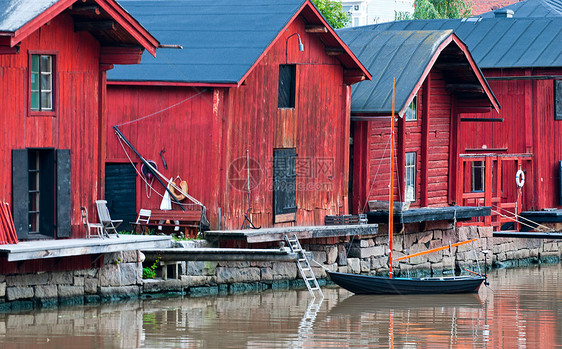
(520, 217)
(148, 185)
(376, 175)
(161, 110)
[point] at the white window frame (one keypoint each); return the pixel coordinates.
(41, 83)
(410, 173)
(412, 111)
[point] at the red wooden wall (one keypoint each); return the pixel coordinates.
(206, 135)
(529, 127)
(74, 126)
(429, 137)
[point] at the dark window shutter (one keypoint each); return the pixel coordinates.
(20, 192)
(284, 180)
(558, 99)
(287, 82)
(63, 193)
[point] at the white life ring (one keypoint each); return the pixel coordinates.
(520, 178)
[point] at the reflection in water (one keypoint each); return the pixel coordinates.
(523, 310)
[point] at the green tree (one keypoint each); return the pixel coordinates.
(333, 12)
(436, 9)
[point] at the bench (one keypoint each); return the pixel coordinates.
(345, 219)
(174, 221)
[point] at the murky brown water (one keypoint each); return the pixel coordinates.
(524, 310)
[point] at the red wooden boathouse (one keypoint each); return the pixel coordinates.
(436, 80)
(53, 61)
(271, 80)
(518, 49)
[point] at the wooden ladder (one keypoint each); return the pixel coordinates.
(304, 266)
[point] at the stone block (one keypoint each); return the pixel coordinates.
(2, 289)
(22, 280)
(78, 281)
(129, 257)
(130, 274)
(369, 252)
(201, 268)
(521, 254)
(241, 264)
(2, 277)
(120, 292)
(266, 274)
(113, 258)
(319, 256)
(437, 225)
(19, 292)
(70, 291)
(354, 265)
(437, 235)
(237, 275)
(200, 280)
(110, 275)
(366, 243)
(425, 237)
(379, 262)
(61, 278)
(140, 256)
(284, 270)
(365, 266)
(485, 232)
(448, 262)
(91, 285)
(331, 254)
(437, 269)
(170, 285)
(46, 291)
(342, 255)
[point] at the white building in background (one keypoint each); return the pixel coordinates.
(365, 12)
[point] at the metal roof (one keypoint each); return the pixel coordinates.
(531, 8)
(407, 56)
(221, 39)
(498, 42)
(14, 14)
(403, 55)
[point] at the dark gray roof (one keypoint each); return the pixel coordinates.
(403, 55)
(498, 42)
(14, 14)
(531, 8)
(221, 39)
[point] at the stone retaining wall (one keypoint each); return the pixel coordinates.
(121, 274)
(119, 277)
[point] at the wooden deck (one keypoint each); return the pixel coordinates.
(418, 215)
(39, 249)
(302, 232)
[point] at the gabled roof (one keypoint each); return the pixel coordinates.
(222, 40)
(408, 56)
(104, 19)
(531, 8)
(499, 42)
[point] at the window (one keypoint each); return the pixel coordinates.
(287, 82)
(558, 99)
(410, 176)
(41, 193)
(41, 82)
(284, 184)
(478, 171)
(412, 111)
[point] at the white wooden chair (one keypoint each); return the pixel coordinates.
(143, 218)
(109, 225)
(98, 227)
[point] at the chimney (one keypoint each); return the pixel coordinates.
(503, 13)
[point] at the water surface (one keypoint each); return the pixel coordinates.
(521, 309)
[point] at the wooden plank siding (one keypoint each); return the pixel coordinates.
(429, 134)
(529, 127)
(207, 137)
(74, 124)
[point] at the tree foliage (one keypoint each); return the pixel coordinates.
(333, 12)
(436, 9)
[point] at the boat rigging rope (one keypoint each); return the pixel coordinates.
(375, 177)
(520, 217)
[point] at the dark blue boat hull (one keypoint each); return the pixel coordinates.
(369, 284)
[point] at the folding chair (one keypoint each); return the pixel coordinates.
(89, 226)
(142, 220)
(109, 225)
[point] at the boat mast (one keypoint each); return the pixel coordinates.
(391, 205)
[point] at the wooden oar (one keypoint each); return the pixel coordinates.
(435, 250)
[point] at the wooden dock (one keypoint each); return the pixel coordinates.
(302, 233)
(221, 254)
(34, 249)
